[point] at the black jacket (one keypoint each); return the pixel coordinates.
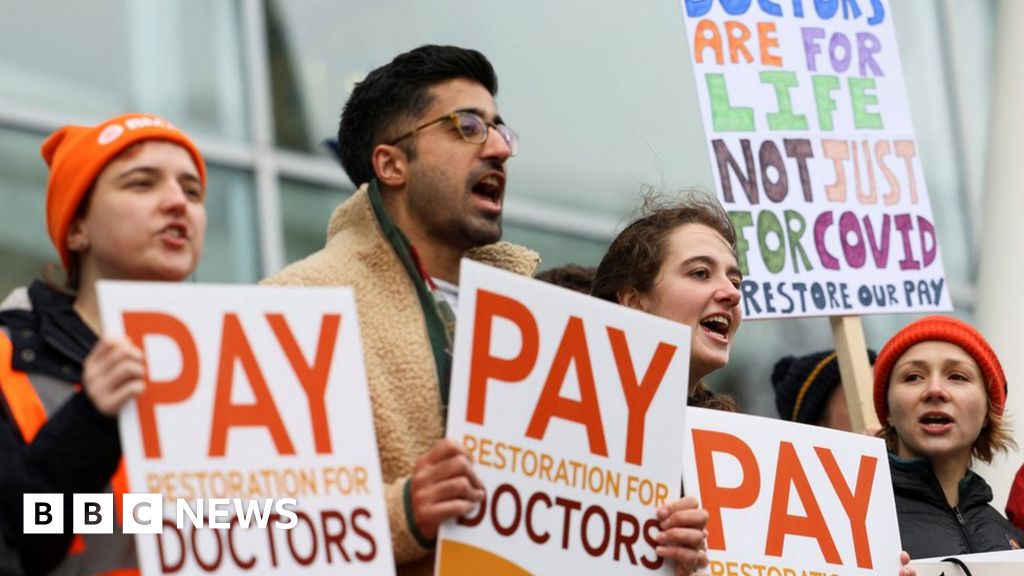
(930, 527)
(77, 450)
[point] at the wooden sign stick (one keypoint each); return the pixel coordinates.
(855, 371)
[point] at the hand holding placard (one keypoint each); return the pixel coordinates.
(683, 537)
(113, 374)
(443, 486)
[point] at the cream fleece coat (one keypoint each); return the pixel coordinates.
(400, 365)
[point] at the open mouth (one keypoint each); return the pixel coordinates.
(490, 189)
(717, 326)
(175, 232)
(935, 421)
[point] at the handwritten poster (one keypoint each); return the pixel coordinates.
(814, 156)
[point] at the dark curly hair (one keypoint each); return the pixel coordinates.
(571, 276)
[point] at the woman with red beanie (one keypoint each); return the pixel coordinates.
(939, 394)
(125, 201)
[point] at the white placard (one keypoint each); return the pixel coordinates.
(789, 498)
(814, 157)
(253, 394)
(572, 409)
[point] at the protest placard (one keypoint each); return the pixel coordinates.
(787, 498)
(1008, 563)
(814, 157)
(572, 409)
(254, 429)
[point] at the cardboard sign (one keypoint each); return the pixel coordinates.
(786, 498)
(253, 395)
(814, 157)
(572, 409)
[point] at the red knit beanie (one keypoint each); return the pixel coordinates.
(944, 329)
(77, 154)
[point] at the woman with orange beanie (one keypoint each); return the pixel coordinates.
(939, 394)
(125, 201)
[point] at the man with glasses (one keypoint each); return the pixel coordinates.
(423, 138)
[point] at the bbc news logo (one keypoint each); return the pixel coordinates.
(143, 513)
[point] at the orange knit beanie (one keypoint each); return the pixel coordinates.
(944, 329)
(77, 154)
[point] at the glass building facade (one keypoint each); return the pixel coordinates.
(601, 94)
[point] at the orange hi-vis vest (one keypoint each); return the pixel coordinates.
(32, 399)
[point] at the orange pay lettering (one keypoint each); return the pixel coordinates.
(790, 476)
(235, 348)
(789, 472)
(483, 366)
(585, 411)
(226, 415)
(638, 396)
(137, 325)
(312, 377)
(855, 504)
(573, 350)
(715, 497)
